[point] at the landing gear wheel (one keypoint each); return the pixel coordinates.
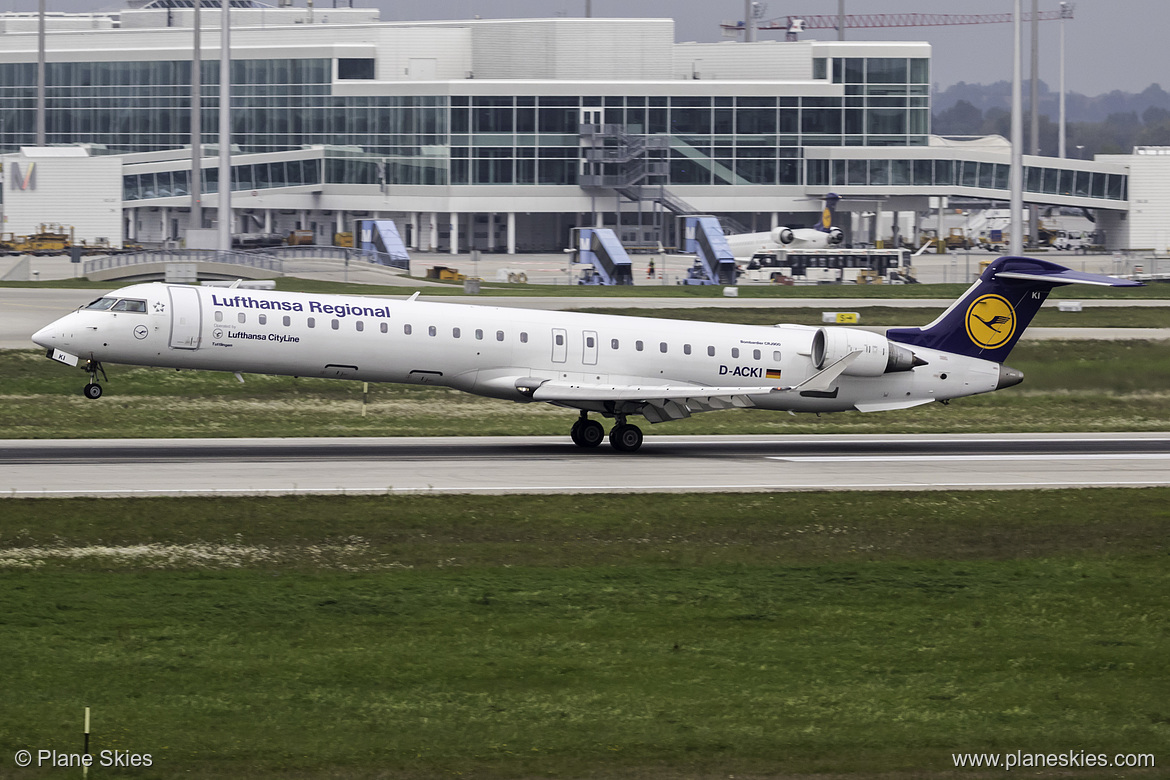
(92, 391)
(625, 438)
(587, 433)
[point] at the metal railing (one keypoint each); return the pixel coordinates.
(255, 259)
(342, 253)
(268, 259)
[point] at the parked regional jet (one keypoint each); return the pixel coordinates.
(616, 367)
(820, 236)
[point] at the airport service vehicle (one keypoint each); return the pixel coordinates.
(613, 366)
(820, 236)
(828, 266)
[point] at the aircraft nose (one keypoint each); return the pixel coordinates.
(48, 336)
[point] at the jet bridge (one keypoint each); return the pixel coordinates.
(381, 236)
(714, 263)
(600, 249)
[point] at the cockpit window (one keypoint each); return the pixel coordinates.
(101, 304)
(130, 304)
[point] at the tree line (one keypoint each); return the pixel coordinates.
(1112, 123)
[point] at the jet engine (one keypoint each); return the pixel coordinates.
(836, 236)
(878, 355)
(783, 235)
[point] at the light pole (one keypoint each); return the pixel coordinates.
(1016, 172)
(1066, 10)
(224, 233)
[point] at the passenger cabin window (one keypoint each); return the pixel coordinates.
(287, 320)
(756, 354)
(613, 343)
(523, 337)
(589, 342)
(432, 331)
(479, 334)
(499, 335)
(455, 333)
(242, 317)
(686, 349)
(662, 347)
(735, 352)
(263, 319)
(336, 324)
(101, 304)
(406, 329)
(219, 316)
(312, 323)
(560, 340)
(710, 351)
(360, 326)
(776, 356)
(385, 328)
(638, 345)
(129, 304)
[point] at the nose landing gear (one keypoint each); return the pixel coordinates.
(93, 390)
(589, 433)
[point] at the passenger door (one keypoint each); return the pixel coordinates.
(186, 317)
(560, 345)
(589, 347)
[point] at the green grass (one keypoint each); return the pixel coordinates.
(618, 636)
(1069, 386)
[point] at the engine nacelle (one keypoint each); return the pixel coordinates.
(783, 235)
(836, 235)
(878, 355)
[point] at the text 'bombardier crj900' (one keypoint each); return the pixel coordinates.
(613, 366)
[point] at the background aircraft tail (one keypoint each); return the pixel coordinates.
(987, 321)
(829, 212)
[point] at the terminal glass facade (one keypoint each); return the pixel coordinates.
(285, 104)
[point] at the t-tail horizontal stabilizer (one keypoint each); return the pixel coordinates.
(987, 321)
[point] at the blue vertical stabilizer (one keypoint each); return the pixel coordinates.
(600, 248)
(988, 320)
(714, 263)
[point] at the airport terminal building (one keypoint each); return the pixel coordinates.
(499, 135)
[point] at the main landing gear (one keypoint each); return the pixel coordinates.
(589, 433)
(93, 390)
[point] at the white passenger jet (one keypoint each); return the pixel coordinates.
(612, 366)
(819, 236)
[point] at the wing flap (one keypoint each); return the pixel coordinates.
(716, 396)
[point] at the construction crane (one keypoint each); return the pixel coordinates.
(796, 23)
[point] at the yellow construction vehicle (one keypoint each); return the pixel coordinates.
(445, 274)
(300, 238)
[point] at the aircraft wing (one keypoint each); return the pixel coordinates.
(657, 403)
(564, 391)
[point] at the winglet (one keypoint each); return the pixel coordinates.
(822, 381)
(414, 297)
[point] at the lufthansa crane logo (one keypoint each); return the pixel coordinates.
(991, 321)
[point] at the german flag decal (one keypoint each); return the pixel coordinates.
(772, 373)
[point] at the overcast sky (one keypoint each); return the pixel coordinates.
(1110, 44)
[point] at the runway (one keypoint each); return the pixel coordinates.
(515, 465)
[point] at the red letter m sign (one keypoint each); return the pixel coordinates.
(25, 182)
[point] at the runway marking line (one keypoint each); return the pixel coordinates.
(957, 458)
(520, 490)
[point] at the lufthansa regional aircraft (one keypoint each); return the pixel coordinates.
(612, 366)
(819, 236)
